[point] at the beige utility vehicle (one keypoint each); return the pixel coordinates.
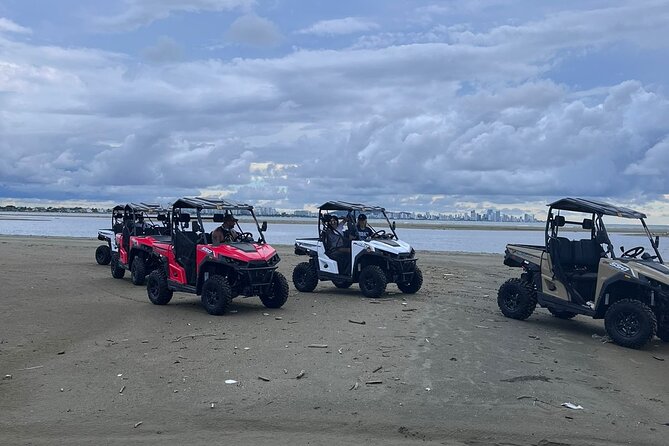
(577, 272)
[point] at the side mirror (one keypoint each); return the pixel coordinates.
(622, 249)
(263, 226)
(393, 225)
(657, 241)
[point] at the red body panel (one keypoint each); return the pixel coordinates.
(135, 241)
(178, 274)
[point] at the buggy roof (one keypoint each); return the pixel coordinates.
(346, 206)
(208, 203)
(595, 207)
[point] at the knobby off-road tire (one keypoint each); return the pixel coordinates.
(561, 314)
(117, 271)
(372, 281)
(343, 284)
(414, 284)
(630, 323)
(278, 292)
(216, 295)
(138, 271)
(517, 299)
(305, 278)
(103, 255)
(157, 289)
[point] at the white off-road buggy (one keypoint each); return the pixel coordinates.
(372, 262)
(103, 253)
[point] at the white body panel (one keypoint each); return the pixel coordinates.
(109, 235)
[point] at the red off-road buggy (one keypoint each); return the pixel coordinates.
(190, 263)
(143, 225)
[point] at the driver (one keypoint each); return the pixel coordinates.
(226, 232)
(362, 231)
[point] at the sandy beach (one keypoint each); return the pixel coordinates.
(87, 359)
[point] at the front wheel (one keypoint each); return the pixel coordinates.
(305, 278)
(138, 271)
(278, 292)
(372, 281)
(413, 285)
(517, 299)
(216, 295)
(630, 323)
(157, 289)
(103, 255)
(117, 271)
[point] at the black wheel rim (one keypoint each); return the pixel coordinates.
(211, 297)
(154, 289)
(628, 324)
(100, 256)
(369, 283)
(511, 301)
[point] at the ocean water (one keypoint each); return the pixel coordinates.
(433, 239)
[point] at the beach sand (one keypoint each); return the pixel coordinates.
(93, 362)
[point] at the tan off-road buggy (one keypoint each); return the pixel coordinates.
(582, 275)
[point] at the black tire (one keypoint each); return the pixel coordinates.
(517, 299)
(630, 323)
(343, 284)
(278, 292)
(157, 289)
(117, 270)
(663, 332)
(103, 255)
(138, 271)
(414, 284)
(372, 281)
(561, 314)
(216, 295)
(305, 278)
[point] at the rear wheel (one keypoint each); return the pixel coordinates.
(138, 271)
(278, 292)
(117, 270)
(157, 289)
(630, 323)
(413, 285)
(343, 284)
(517, 299)
(561, 314)
(372, 281)
(216, 295)
(305, 278)
(103, 255)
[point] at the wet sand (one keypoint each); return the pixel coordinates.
(90, 359)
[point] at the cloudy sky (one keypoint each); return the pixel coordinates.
(411, 104)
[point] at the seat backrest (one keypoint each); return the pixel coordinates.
(562, 248)
(587, 253)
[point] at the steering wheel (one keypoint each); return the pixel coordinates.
(634, 252)
(380, 233)
(244, 237)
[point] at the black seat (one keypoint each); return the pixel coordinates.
(185, 243)
(561, 252)
(587, 254)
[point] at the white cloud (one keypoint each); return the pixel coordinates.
(8, 26)
(165, 50)
(466, 118)
(253, 30)
(139, 13)
(348, 25)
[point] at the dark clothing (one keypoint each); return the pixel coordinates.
(363, 233)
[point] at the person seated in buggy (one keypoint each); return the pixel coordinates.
(337, 241)
(226, 232)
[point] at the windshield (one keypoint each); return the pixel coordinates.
(626, 234)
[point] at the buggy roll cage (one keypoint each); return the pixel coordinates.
(597, 210)
(352, 209)
(137, 212)
(180, 220)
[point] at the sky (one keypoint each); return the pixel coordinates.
(415, 105)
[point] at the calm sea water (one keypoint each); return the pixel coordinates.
(464, 240)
